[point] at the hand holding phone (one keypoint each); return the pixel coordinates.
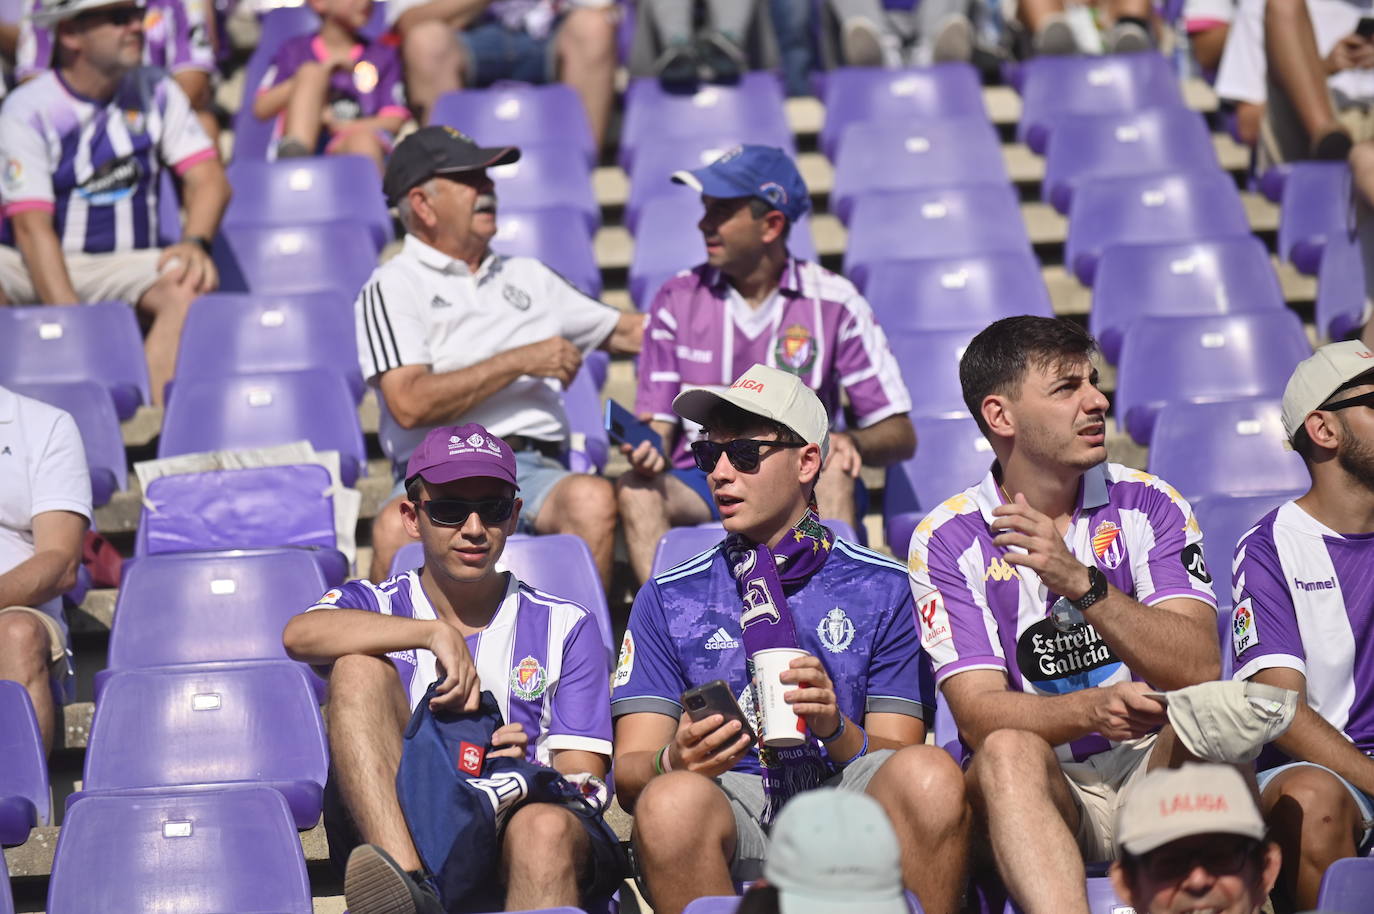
(1366, 27)
(706, 747)
(625, 428)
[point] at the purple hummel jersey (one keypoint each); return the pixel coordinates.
(540, 656)
(1304, 600)
(853, 614)
(816, 325)
(977, 611)
(174, 39)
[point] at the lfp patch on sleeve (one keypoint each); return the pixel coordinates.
(626, 664)
(1244, 630)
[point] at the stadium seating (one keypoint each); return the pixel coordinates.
(91, 407)
(713, 904)
(1224, 519)
(1316, 208)
(1150, 209)
(1347, 886)
(194, 853)
(252, 136)
(1055, 86)
(331, 256)
(753, 107)
(951, 455)
(682, 543)
(661, 156)
(1214, 357)
(546, 176)
(264, 409)
(6, 900)
(1232, 447)
(589, 446)
(910, 96)
(929, 360)
(305, 191)
(557, 237)
(1342, 307)
(207, 726)
(956, 293)
(99, 342)
(1222, 276)
(205, 607)
(24, 795)
(515, 114)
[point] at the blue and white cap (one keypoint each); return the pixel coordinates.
(765, 172)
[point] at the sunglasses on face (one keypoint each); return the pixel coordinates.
(454, 512)
(743, 453)
(119, 16)
(1225, 858)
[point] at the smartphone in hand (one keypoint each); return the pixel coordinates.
(625, 428)
(715, 697)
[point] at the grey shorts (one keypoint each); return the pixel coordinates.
(534, 473)
(745, 793)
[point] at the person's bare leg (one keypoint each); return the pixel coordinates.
(1208, 45)
(305, 106)
(544, 850)
(648, 507)
(835, 496)
(167, 303)
(1018, 789)
(922, 790)
(585, 45)
(684, 836)
(25, 648)
(1035, 13)
(388, 536)
(584, 506)
(434, 64)
(1290, 45)
(363, 143)
(367, 715)
(1315, 821)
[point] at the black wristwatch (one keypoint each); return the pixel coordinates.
(199, 240)
(1097, 589)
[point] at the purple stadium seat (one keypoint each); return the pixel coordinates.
(1150, 209)
(682, 543)
(1271, 182)
(713, 904)
(915, 155)
(1056, 86)
(951, 456)
(1224, 276)
(24, 795)
(229, 333)
(1316, 207)
(203, 727)
(305, 191)
(1341, 308)
(1102, 897)
(860, 94)
(1232, 447)
(253, 136)
(1224, 519)
(515, 114)
(336, 256)
(556, 236)
(930, 366)
(546, 176)
(754, 105)
(1212, 357)
(94, 413)
(6, 900)
(206, 607)
(1129, 144)
(956, 292)
(1347, 886)
(194, 853)
(99, 343)
(589, 446)
(937, 222)
(263, 409)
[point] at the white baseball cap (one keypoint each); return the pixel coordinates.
(1173, 803)
(1319, 376)
(768, 392)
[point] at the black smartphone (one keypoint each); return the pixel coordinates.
(624, 428)
(1366, 27)
(715, 697)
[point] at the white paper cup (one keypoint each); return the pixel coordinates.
(782, 729)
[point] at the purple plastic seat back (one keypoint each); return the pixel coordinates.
(197, 853)
(264, 409)
(24, 795)
(1316, 207)
(937, 222)
(1213, 357)
(713, 904)
(1222, 276)
(754, 104)
(207, 607)
(304, 191)
(956, 292)
(861, 94)
(1131, 143)
(556, 236)
(1347, 886)
(929, 360)
(546, 176)
(915, 155)
(682, 543)
(516, 114)
(589, 444)
(301, 258)
(229, 333)
(207, 725)
(953, 456)
(99, 342)
(1224, 519)
(1102, 897)
(1055, 86)
(1151, 209)
(1233, 447)
(1341, 308)
(91, 407)
(659, 157)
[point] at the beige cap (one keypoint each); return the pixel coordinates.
(1230, 721)
(1172, 803)
(1319, 376)
(768, 392)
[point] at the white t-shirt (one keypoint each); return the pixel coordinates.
(1241, 75)
(42, 468)
(422, 307)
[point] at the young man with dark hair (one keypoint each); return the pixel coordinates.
(702, 793)
(1304, 620)
(1052, 597)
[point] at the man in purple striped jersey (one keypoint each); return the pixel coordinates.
(460, 620)
(1053, 598)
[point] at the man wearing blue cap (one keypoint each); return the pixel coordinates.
(753, 302)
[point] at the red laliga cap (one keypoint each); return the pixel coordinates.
(453, 452)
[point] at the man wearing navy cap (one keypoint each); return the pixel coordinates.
(752, 302)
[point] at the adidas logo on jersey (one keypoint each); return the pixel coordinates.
(720, 640)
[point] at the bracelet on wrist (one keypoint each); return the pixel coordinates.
(863, 750)
(663, 762)
(839, 731)
(199, 241)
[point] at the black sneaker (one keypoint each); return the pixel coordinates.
(376, 884)
(677, 67)
(721, 59)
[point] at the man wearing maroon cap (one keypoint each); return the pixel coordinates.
(460, 620)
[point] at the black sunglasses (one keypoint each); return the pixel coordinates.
(454, 512)
(743, 453)
(119, 15)
(1361, 400)
(1225, 858)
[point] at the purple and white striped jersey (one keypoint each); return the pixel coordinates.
(96, 165)
(816, 325)
(174, 39)
(976, 611)
(541, 657)
(1304, 600)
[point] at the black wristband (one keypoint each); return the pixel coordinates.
(199, 240)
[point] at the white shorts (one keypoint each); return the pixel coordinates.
(117, 276)
(1099, 785)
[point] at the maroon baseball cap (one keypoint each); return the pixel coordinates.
(453, 452)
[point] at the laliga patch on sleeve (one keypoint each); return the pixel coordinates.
(1244, 631)
(934, 621)
(626, 664)
(330, 597)
(1194, 565)
(470, 758)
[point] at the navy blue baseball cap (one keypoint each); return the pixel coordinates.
(765, 172)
